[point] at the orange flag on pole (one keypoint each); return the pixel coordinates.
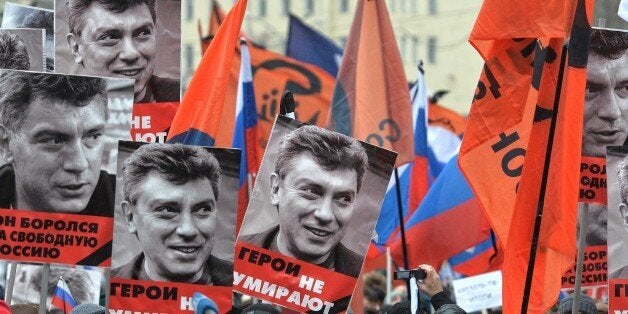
(508, 133)
(542, 242)
(198, 118)
(371, 98)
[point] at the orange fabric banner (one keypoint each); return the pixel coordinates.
(509, 135)
(371, 97)
(198, 118)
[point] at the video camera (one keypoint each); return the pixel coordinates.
(418, 273)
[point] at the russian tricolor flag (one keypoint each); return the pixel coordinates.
(62, 297)
(245, 131)
(413, 177)
(448, 221)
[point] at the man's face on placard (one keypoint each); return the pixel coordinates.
(56, 154)
(606, 104)
(597, 224)
(315, 206)
(117, 44)
(175, 225)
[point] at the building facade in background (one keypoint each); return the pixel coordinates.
(435, 31)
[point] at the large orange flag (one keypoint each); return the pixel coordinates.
(371, 97)
(550, 178)
(198, 118)
(508, 134)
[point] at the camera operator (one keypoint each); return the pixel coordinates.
(433, 287)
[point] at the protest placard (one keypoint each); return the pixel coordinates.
(174, 226)
(311, 216)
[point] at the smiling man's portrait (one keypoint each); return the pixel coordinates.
(120, 38)
(52, 129)
(313, 188)
(170, 203)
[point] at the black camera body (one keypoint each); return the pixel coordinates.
(418, 273)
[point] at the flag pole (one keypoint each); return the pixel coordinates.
(582, 236)
(11, 282)
(401, 225)
(541, 200)
(43, 291)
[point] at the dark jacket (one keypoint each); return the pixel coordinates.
(160, 89)
(100, 204)
(345, 261)
(217, 272)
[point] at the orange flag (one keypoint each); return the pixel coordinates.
(198, 118)
(273, 74)
(508, 133)
(550, 176)
(371, 98)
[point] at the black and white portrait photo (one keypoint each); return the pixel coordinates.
(138, 40)
(21, 16)
(317, 196)
(22, 49)
(177, 213)
(54, 140)
(617, 165)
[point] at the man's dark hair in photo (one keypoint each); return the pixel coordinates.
(176, 163)
(13, 52)
(76, 9)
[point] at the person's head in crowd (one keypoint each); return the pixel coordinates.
(88, 308)
(398, 294)
(402, 307)
(114, 38)
(170, 194)
(622, 180)
(586, 304)
(13, 52)
(373, 298)
(606, 95)
(260, 308)
(317, 178)
(51, 134)
(375, 279)
(25, 308)
(450, 309)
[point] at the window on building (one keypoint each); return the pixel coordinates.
(344, 6)
(414, 6)
(286, 7)
(431, 49)
(189, 8)
(433, 7)
(309, 7)
(262, 8)
(402, 6)
(392, 4)
(189, 57)
(403, 47)
(415, 48)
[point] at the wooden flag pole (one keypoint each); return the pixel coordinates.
(539, 208)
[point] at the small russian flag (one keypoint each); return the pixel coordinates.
(62, 298)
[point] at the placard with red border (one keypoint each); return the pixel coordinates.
(592, 180)
(162, 297)
(289, 282)
(29, 236)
